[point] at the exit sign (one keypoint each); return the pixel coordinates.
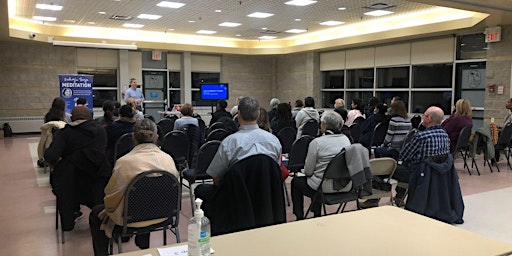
(156, 55)
(493, 34)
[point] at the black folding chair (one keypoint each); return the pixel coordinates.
(378, 135)
(298, 153)
(123, 145)
(502, 144)
(286, 136)
(355, 132)
(415, 121)
(462, 146)
(214, 126)
(217, 134)
(176, 144)
(151, 195)
(310, 128)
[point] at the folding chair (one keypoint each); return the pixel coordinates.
(502, 144)
(378, 135)
(355, 132)
(176, 144)
(383, 168)
(217, 134)
(286, 136)
(463, 145)
(123, 145)
(310, 128)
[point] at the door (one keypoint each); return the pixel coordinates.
(155, 92)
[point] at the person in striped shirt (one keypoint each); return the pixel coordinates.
(399, 126)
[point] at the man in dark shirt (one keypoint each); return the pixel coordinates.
(220, 112)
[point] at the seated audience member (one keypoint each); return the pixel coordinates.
(321, 151)
(81, 170)
(508, 118)
(263, 121)
(234, 110)
(273, 108)
(108, 114)
(220, 111)
(282, 119)
(461, 118)
(378, 116)
(248, 141)
(399, 127)
(391, 102)
(372, 103)
(298, 106)
(53, 122)
(229, 124)
(307, 113)
(357, 111)
(117, 107)
(144, 156)
(186, 118)
(83, 102)
(59, 108)
(339, 107)
(137, 114)
(121, 126)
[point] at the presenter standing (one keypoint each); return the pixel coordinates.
(135, 93)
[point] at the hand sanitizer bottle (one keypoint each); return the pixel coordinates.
(199, 233)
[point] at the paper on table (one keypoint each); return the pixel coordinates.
(181, 250)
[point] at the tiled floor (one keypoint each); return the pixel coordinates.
(27, 217)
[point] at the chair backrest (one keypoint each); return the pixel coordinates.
(150, 117)
(355, 132)
(202, 129)
(205, 156)
(298, 153)
(152, 195)
(379, 133)
(176, 144)
(359, 120)
(194, 142)
(383, 166)
(166, 125)
(214, 126)
(463, 139)
(337, 168)
(310, 128)
(123, 145)
(286, 136)
(505, 136)
(415, 121)
(217, 134)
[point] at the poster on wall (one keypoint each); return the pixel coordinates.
(473, 78)
(73, 87)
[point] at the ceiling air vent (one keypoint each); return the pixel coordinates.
(379, 6)
(270, 32)
(120, 17)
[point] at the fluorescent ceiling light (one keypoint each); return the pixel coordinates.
(96, 45)
(206, 32)
(91, 22)
(131, 25)
(102, 13)
(342, 8)
(149, 16)
(260, 15)
(378, 13)
(49, 7)
(295, 31)
(218, 10)
(44, 18)
(69, 21)
(230, 24)
(267, 37)
(170, 4)
(300, 2)
(331, 23)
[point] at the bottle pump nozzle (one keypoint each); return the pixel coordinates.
(198, 213)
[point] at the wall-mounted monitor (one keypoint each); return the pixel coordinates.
(214, 91)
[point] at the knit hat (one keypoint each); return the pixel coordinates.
(80, 113)
(126, 111)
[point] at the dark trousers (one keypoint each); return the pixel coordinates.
(386, 152)
(100, 241)
(401, 174)
(300, 188)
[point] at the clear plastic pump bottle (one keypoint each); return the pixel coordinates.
(199, 233)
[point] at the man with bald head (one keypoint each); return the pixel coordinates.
(433, 141)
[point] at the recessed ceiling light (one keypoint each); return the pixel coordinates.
(149, 16)
(297, 19)
(69, 21)
(300, 2)
(170, 29)
(295, 31)
(170, 4)
(49, 7)
(260, 15)
(342, 8)
(191, 21)
(218, 10)
(206, 32)
(131, 25)
(263, 28)
(331, 23)
(44, 18)
(238, 35)
(378, 13)
(230, 24)
(102, 13)
(267, 37)
(91, 22)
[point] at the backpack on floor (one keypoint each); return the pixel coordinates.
(7, 130)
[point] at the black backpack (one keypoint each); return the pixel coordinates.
(7, 130)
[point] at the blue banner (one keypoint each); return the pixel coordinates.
(73, 87)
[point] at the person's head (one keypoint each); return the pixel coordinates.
(187, 109)
(126, 111)
(398, 109)
(463, 108)
(331, 121)
(395, 98)
(357, 104)
(81, 101)
(222, 104)
(144, 131)
(509, 104)
(274, 102)
(373, 101)
(263, 121)
(109, 106)
(433, 116)
(339, 103)
(80, 113)
(309, 102)
(131, 102)
(284, 111)
(59, 103)
(248, 110)
(380, 109)
(133, 83)
(229, 124)
(299, 104)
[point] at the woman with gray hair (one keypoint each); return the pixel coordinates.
(273, 108)
(321, 151)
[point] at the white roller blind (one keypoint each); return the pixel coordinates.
(134, 67)
(174, 61)
(433, 51)
(360, 58)
(205, 63)
(99, 58)
(332, 61)
(390, 55)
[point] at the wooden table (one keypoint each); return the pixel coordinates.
(384, 230)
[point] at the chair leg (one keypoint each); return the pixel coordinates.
(119, 244)
(111, 246)
(165, 235)
(464, 157)
(191, 193)
(286, 193)
(473, 163)
(177, 233)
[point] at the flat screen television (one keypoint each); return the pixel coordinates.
(215, 91)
